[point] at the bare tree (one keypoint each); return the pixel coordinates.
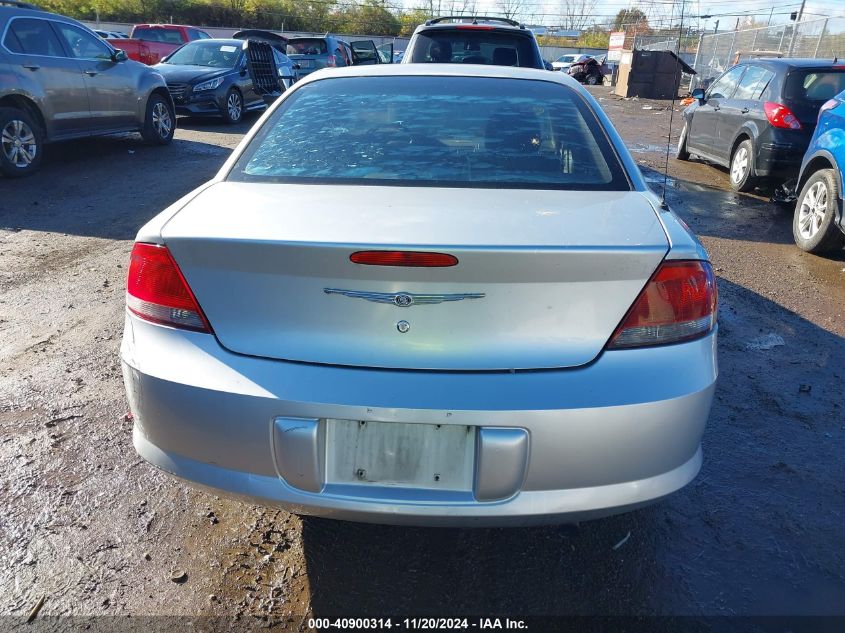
(509, 8)
(575, 15)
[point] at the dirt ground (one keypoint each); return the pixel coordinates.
(92, 529)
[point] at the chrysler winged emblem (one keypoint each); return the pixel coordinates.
(404, 299)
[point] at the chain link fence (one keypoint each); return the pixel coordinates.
(821, 38)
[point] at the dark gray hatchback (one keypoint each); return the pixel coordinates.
(757, 118)
(59, 81)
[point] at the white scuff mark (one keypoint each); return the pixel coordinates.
(622, 542)
(765, 342)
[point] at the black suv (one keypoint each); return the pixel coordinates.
(61, 81)
(758, 117)
(474, 40)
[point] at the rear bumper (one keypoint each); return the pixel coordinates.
(604, 438)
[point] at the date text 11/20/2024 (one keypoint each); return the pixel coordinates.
(418, 623)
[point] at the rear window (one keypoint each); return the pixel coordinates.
(168, 36)
(814, 85)
(475, 46)
(307, 47)
(434, 131)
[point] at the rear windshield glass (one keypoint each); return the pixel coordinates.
(169, 36)
(814, 85)
(468, 46)
(434, 131)
(307, 47)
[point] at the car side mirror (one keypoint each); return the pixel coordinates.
(119, 55)
(698, 93)
(297, 67)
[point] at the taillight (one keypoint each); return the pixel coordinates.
(677, 304)
(477, 27)
(404, 258)
(829, 105)
(781, 116)
(156, 290)
(332, 61)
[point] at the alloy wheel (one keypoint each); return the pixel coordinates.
(739, 165)
(162, 121)
(19, 144)
(233, 105)
(812, 211)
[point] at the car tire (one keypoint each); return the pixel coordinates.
(814, 223)
(682, 153)
(234, 107)
(21, 143)
(592, 80)
(159, 122)
(742, 167)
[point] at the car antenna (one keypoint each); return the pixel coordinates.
(674, 97)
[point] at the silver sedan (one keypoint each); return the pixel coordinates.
(425, 294)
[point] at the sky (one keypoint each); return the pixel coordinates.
(661, 12)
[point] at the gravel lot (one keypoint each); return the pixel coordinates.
(87, 525)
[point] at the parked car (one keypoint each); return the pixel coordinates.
(61, 81)
(565, 61)
(818, 224)
(294, 336)
(150, 43)
(211, 77)
(314, 53)
(758, 117)
(474, 40)
(588, 72)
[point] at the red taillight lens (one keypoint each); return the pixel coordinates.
(781, 116)
(677, 304)
(156, 290)
(404, 258)
(332, 61)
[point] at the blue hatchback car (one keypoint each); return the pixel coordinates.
(818, 225)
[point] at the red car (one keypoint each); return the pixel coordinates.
(150, 43)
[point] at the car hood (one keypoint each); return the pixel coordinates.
(190, 74)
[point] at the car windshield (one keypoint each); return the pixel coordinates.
(566, 58)
(434, 131)
(469, 46)
(310, 46)
(207, 53)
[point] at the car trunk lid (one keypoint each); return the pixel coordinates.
(548, 274)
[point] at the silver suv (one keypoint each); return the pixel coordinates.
(61, 81)
(474, 40)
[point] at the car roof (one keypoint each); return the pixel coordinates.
(793, 62)
(12, 11)
(444, 70)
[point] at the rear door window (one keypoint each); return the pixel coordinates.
(30, 36)
(434, 131)
(753, 83)
(474, 46)
(168, 36)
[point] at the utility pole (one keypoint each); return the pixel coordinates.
(795, 28)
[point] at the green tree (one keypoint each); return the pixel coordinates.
(410, 20)
(630, 19)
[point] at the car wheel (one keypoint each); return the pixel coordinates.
(592, 80)
(814, 224)
(742, 167)
(682, 153)
(160, 122)
(21, 143)
(234, 106)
